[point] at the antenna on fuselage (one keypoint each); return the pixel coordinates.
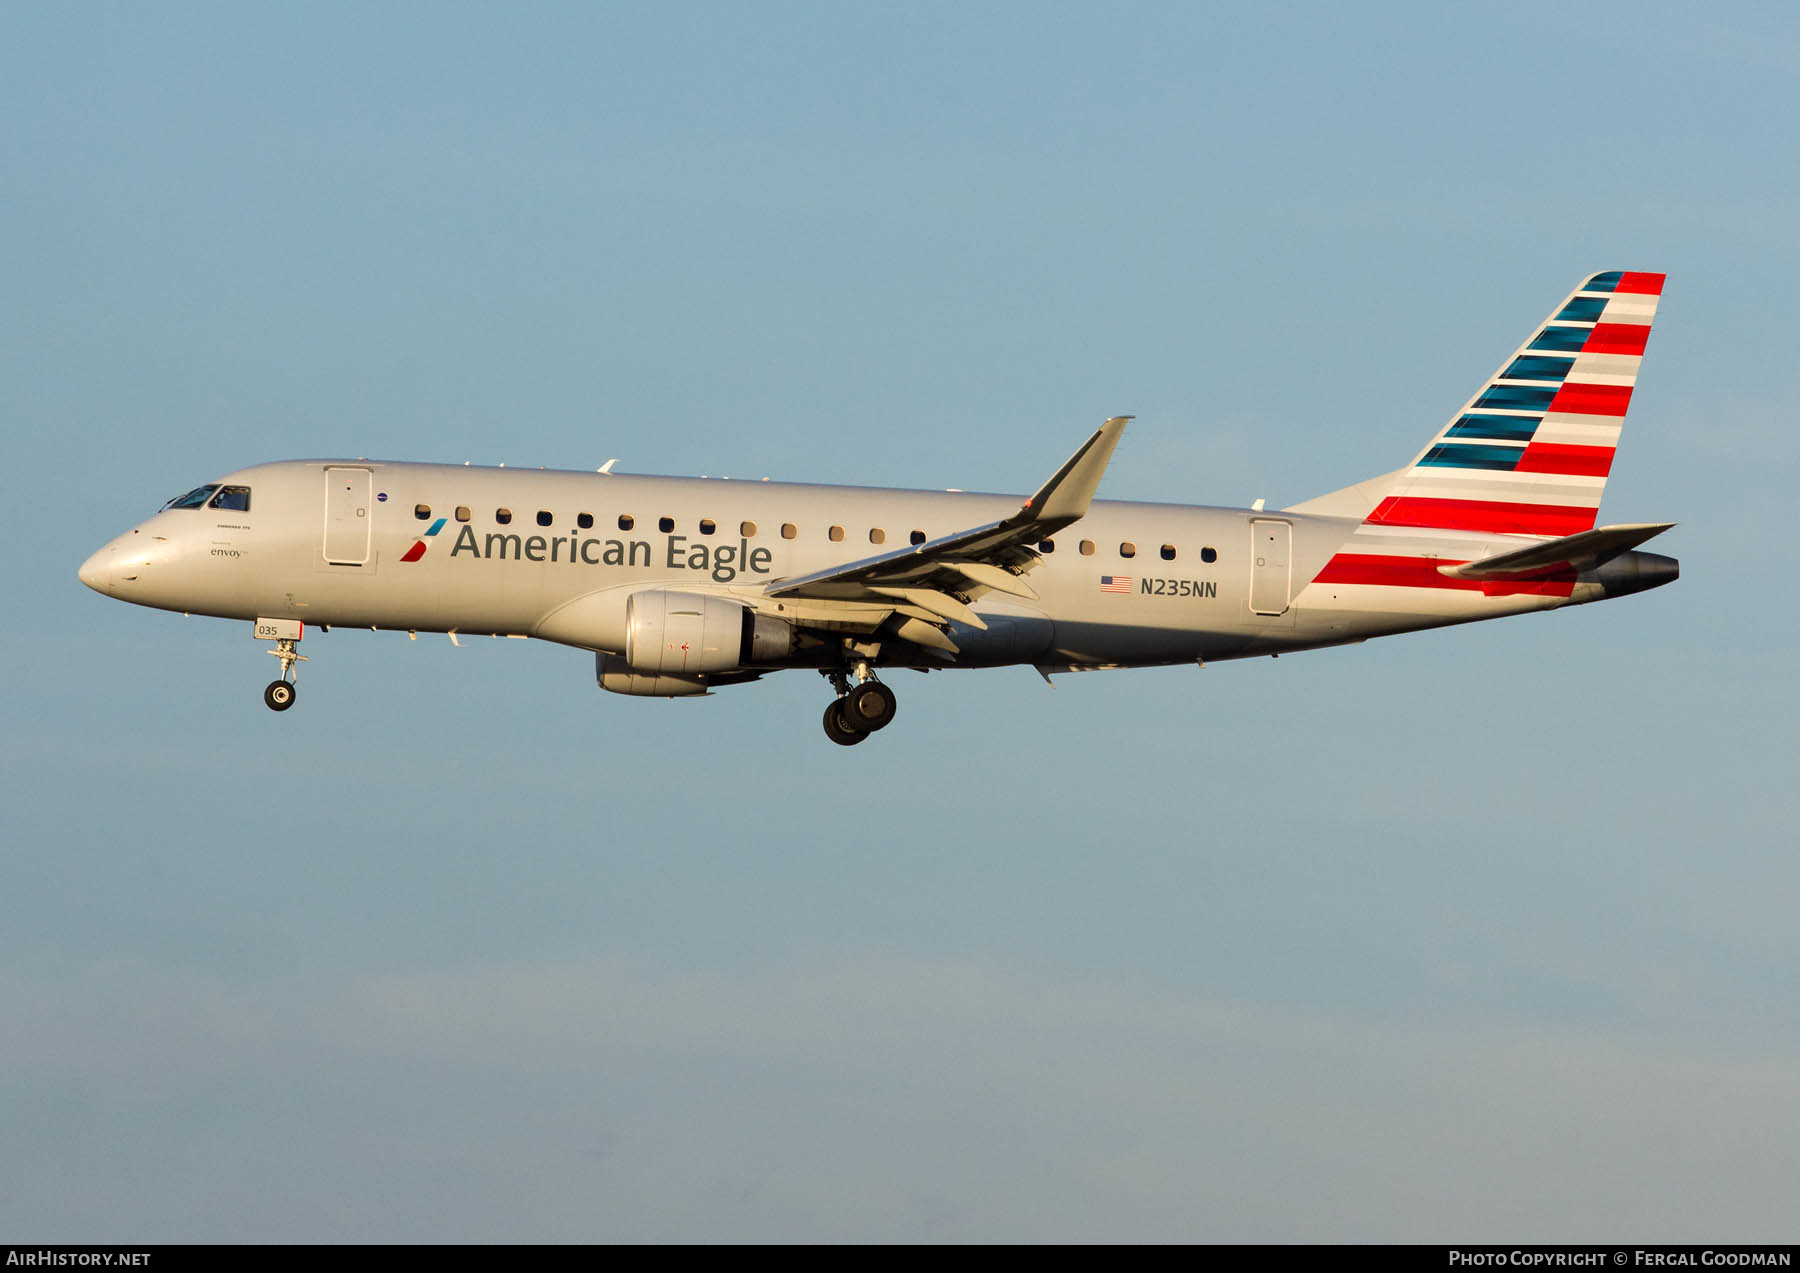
(606, 468)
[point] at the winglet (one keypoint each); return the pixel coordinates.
(1065, 497)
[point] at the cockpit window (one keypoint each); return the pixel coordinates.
(235, 498)
(195, 498)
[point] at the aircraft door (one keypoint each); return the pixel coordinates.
(1270, 551)
(347, 516)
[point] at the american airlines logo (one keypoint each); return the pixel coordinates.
(420, 545)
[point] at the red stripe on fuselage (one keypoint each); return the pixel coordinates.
(1641, 284)
(1617, 338)
(1392, 572)
(416, 551)
(1422, 572)
(1558, 457)
(1484, 515)
(1579, 399)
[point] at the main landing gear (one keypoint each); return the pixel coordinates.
(280, 694)
(858, 710)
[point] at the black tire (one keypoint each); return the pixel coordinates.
(279, 696)
(869, 706)
(837, 726)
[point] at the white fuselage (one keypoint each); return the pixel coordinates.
(556, 554)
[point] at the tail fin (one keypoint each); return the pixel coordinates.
(1529, 453)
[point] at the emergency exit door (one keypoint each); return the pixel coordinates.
(347, 516)
(1270, 544)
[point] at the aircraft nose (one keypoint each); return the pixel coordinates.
(96, 571)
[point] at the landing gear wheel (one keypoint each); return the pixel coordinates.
(837, 727)
(869, 707)
(280, 694)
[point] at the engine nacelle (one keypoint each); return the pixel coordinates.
(616, 676)
(686, 634)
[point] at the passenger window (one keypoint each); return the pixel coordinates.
(503, 516)
(1046, 546)
(747, 529)
(235, 498)
(789, 530)
(1209, 555)
(1128, 549)
(544, 519)
(707, 526)
(585, 520)
(665, 524)
(837, 534)
(1168, 552)
(422, 512)
(1087, 548)
(626, 521)
(878, 537)
(462, 512)
(918, 537)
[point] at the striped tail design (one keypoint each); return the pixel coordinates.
(1529, 453)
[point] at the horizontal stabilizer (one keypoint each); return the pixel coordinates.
(1584, 551)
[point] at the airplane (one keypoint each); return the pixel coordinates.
(681, 586)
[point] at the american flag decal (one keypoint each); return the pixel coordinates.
(1115, 583)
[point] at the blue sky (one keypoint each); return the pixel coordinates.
(1471, 934)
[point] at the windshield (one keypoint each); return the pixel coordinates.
(236, 498)
(195, 498)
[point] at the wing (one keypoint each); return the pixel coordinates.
(929, 586)
(1584, 551)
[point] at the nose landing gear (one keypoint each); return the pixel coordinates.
(858, 710)
(280, 694)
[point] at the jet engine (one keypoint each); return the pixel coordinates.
(687, 634)
(615, 676)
